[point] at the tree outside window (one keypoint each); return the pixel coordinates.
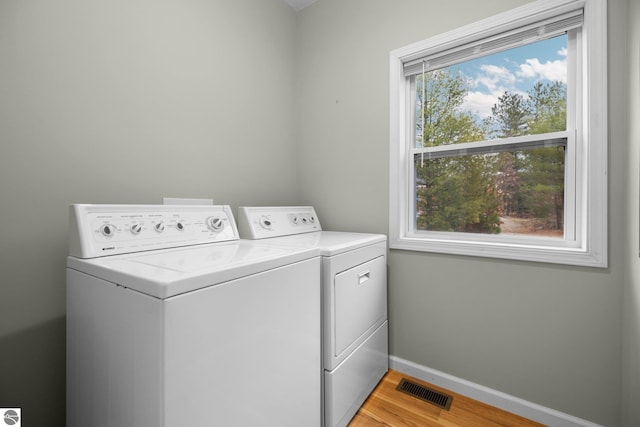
(516, 191)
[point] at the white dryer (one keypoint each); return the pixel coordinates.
(354, 286)
(173, 321)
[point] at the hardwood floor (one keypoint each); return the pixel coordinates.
(391, 408)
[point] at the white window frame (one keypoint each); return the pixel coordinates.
(585, 241)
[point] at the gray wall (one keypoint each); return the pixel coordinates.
(631, 322)
(129, 101)
(125, 102)
(545, 333)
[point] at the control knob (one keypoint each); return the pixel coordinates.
(107, 230)
(265, 223)
(215, 223)
(136, 228)
(159, 226)
(179, 226)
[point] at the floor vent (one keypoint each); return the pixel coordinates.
(425, 393)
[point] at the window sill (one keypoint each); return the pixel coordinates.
(534, 252)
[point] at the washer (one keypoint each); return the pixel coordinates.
(172, 320)
(354, 287)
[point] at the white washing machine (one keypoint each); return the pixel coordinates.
(354, 285)
(174, 321)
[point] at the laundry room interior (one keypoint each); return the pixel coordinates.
(260, 103)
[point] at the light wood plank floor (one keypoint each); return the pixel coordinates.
(390, 408)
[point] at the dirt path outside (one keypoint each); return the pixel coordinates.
(519, 226)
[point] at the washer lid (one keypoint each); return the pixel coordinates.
(166, 273)
(328, 243)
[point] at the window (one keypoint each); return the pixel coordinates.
(499, 137)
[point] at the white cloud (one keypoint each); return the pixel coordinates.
(562, 52)
(479, 103)
(494, 77)
(492, 81)
(550, 70)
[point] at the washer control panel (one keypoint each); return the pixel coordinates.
(100, 230)
(274, 221)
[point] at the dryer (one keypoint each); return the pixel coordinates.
(354, 288)
(172, 320)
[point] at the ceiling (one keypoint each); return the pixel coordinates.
(299, 4)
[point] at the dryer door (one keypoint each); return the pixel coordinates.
(360, 303)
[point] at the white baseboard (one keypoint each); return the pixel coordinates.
(532, 411)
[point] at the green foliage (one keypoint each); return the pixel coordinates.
(544, 175)
(549, 104)
(443, 122)
(469, 193)
(542, 187)
(510, 116)
(457, 194)
(453, 193)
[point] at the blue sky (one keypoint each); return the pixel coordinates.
(515, 70)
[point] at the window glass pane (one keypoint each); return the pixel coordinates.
(510, 193)
(520, 91)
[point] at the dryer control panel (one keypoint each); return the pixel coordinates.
(101, 230)
(274, 221)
